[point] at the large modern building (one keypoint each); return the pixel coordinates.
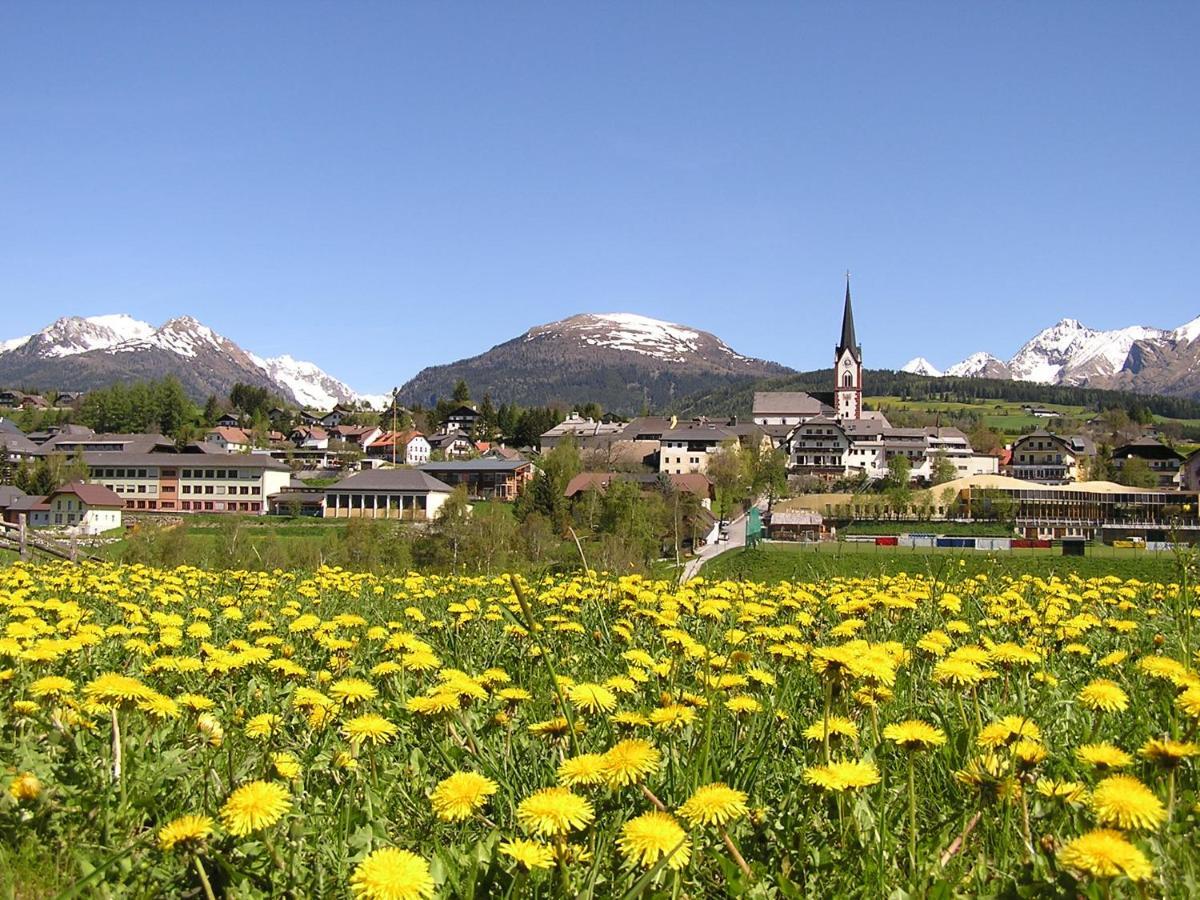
(190, 482)
(407, 494)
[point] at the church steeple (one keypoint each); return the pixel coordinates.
(848, 342)
(847, 367)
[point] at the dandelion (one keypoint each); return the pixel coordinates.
(914, 734)
(262, 726)
(630, 761)
(1103, 756)
(1123, 801)
(1104, 695)
(369, 728)
(592, 698)
(843, 776)
(583, 770)
(530, 854)
(25, 787)
(286, 765)
(52, 686)
(1105, 854)
(1168, 753)
(554, 811)
(837, 726)
(714, 804)
(254, 806)
(352, 690)
(461, 795)
(653, 836)
(186, 832)
(392, 874)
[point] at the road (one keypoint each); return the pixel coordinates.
(737, 538)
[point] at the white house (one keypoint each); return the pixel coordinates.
(229, 440)
(83, 508)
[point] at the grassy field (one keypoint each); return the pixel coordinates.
(814, 562)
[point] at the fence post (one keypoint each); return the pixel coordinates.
(21, 536)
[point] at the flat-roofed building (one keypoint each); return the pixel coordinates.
(484, 479)
(190, 482)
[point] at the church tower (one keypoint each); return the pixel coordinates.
(847, 367)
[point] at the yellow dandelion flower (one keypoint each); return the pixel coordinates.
(1103, 756)
(592, 698)
(1104, 695)
(530, 854)
(25, 787)
(352, 690)
(586, 769)
(653, 836)
(843, 776)
(630, 761)
(1168, 753)
(52, 686)
(371, 728)
(187, 832)
(714, 804)
(253, 806)
(461, 795)
(392, 874)
(839, 726)
(554, 811)
(1123, 801)
(914, 734)
(1105, 854)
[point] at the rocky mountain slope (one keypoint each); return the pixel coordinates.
(1138, 358)
(77, 354)
(621, 360)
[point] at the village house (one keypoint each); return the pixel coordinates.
(229, 440)
(10, 495)
(484, 479)
(82, 508)
(692, 483)
(228, 420)
(461, 418)
(1165, 462)
(1047, 458)
(687, 448)
(358, 436)
(310, 437)
(580, 430)
(407, 494)
(452, 445)
(405, 448)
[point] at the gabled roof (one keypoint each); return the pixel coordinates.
(692, 483)
(384, 480)
(477, 465)
(781, 403)
(9, 494)
(94, 495)
(230, 435)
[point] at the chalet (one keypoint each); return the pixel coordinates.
(485, 479)
(360, 436)
(14, 445)
(84, 508)
(229, 440)
(1047, 458)
(228, 420)
(408, 494)
(310, 437)
(406, 448)
(462, 418)
(334, 417)
(452, 445)
(22, 400)
(1165, 462)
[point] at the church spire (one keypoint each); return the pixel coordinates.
(848, 342)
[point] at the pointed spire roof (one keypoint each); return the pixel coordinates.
(848, 340)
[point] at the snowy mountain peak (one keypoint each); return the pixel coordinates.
(309, 384)
(921, 366)
(630, 332)
(979, 365)
(71, 335)
(1187, 332)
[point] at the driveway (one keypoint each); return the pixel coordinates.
(737, 538)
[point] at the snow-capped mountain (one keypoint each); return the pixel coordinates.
(623, 361)
(980, 365)
(1138, 358)
(78, 353)
(920, 366)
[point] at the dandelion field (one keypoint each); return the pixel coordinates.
(193, 733)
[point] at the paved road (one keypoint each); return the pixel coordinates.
(737, 538)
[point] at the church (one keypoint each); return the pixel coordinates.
(830, 436)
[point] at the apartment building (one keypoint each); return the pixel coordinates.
(190, 482)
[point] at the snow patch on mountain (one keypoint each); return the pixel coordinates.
(974, 365)
(921, 366)
(310, 385)
(1187, 332)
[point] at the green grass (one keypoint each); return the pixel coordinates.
(808, 562)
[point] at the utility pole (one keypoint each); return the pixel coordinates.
(395, 391)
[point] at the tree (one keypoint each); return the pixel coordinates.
(212, 411)
(462, 393)
(450, 522)
(1136, 472)
(728, 476)
(943, 469)
(899, 490)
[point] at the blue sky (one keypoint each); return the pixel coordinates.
(382, 186)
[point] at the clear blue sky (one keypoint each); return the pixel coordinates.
(382, 186)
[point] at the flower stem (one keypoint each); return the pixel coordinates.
(208, 891)
(912, 818)
(733, 851)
